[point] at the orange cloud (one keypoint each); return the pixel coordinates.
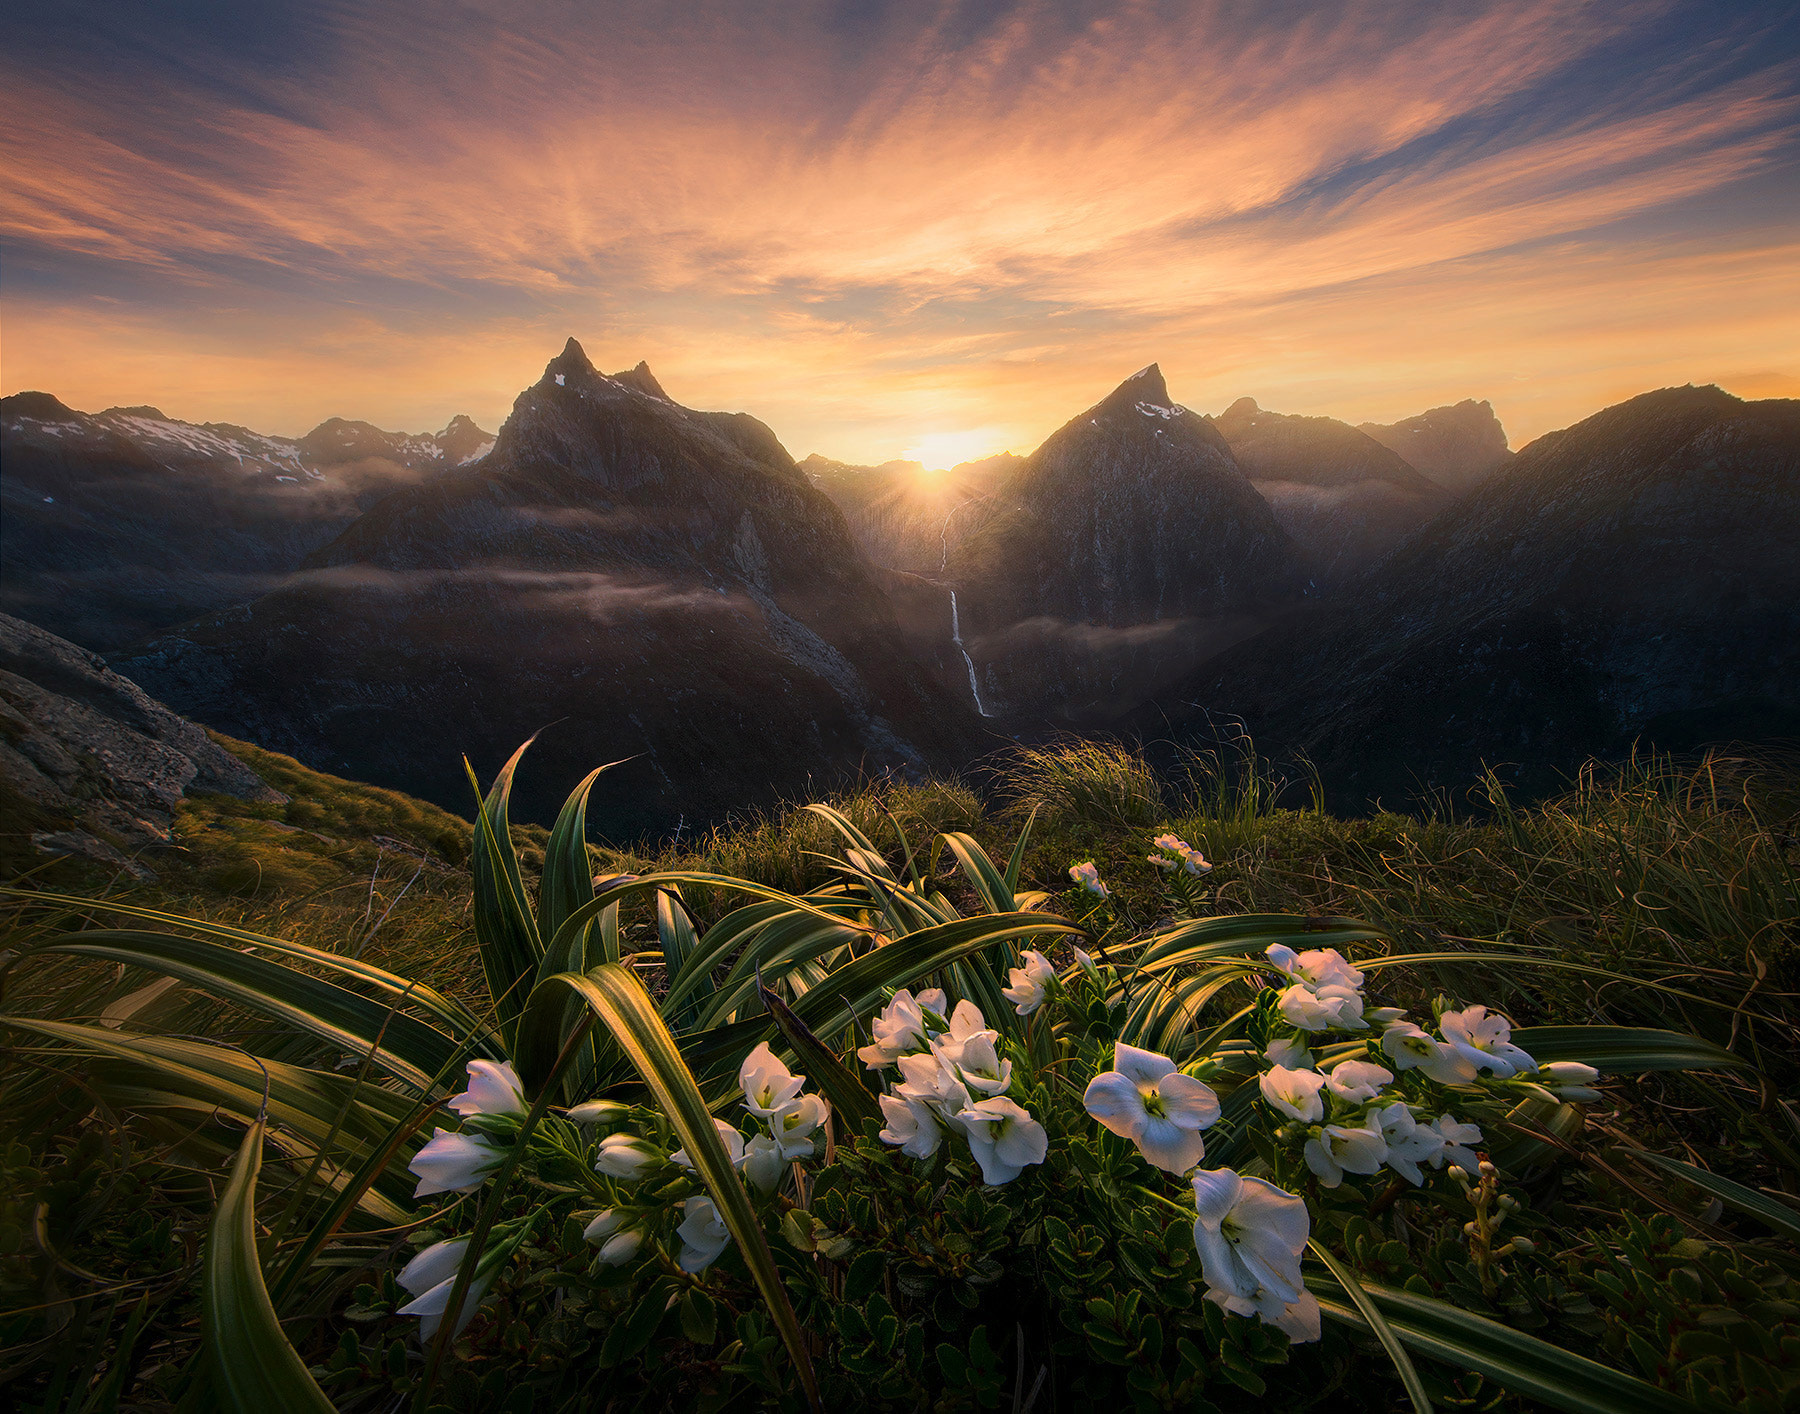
(1361, 211)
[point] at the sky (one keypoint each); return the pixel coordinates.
(926, 228)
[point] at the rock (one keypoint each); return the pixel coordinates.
(79, 744)
(1458, 447)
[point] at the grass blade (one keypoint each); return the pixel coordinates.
(620, 1001)
(253, 1368)
(1624, 1050)
(1415, 1388)
(836, 1081)
(1776, 1216)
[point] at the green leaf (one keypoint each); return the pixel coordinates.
(835, 1080)
(1624, 1050)
(1409, 1377)
(568, 878)
(410, 1050)
(988, 882)
(1777, 1216)
(252, 1367)
(1521, 1363)
(505, 929)
(620, 1001)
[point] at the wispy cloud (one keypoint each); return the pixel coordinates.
(873, 223)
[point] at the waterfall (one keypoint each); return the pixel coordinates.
(956, 638)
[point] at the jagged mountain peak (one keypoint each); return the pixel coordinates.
(1146, 386)
(643, 380)
(1243, 407)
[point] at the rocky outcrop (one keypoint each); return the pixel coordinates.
(1345, 498)
(1458, 447)
(1630, 578)
(650, 582)
(90, 760)
(121, 523)
(1129, 544)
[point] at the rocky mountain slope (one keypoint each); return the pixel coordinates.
(1126, 547)
(90, 765)
(905, 516)
(121, 523)
(1458, 447)
(1344, 497)
(660, 584)
(1633, 576)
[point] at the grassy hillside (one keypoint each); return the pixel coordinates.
(1686, 874)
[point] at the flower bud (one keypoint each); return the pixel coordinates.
(621, 1247)
(598, 1112)
(1488, 1170)
(1524, 1246)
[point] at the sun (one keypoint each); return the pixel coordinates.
(938, 450)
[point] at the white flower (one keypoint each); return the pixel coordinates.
(494, 1089)
(1571, 1080)
(1484, 1039)
(728, 1136)
(767, 1083)
(1309, 1008)
(1003, 1137)
(1299, 1320)
(977, 1060)
(1407, 1046)
(1384, 1016)
(1294, 1092)
(1409, 1143)
(1177, 852)
(1088, 876)
(764, 1162)
(899, 1029)
(454, 1163)
(1289, 1051)
(1457, 1136)
(431, 1277)
(965, 1021)
(1085, 960)
(625, 1156)
(1145, 1099)
(1030, 983)
(1341, 1148)
(703, 1235)
(597, 1112)
(1172, 844)
(1316, 967)
(618, 1244)
(933, 999)
(928, 1080)
(1354, 1081)
(792, 1129)
(912, 1125)
(1249, 1235)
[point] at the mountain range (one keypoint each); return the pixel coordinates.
(667, 587)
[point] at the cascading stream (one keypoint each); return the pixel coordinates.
(956, 638)
(955, 619)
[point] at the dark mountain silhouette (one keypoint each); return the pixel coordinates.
(662, 584)
(1631, 577)
(1124, 548)
(122, 523)
(1458, 447)
(1344, 497)
(905, 516)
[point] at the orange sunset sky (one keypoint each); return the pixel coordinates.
(924, 229)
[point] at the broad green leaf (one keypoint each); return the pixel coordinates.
(454, 1018)
(620, 1001)
(1371, 1313)
(1521, 1363)
(988, 882)
(252, 1367)
(568, 877)
(1775, 1215)
(1624, 1050)
(409, 1050)
(849, 1096)
(1017, 861)
(505, 928)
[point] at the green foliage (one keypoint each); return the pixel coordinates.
(342, 979)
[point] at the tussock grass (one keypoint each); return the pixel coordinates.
(1095, 783)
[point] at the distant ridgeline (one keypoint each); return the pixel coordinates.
(1401, 603)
